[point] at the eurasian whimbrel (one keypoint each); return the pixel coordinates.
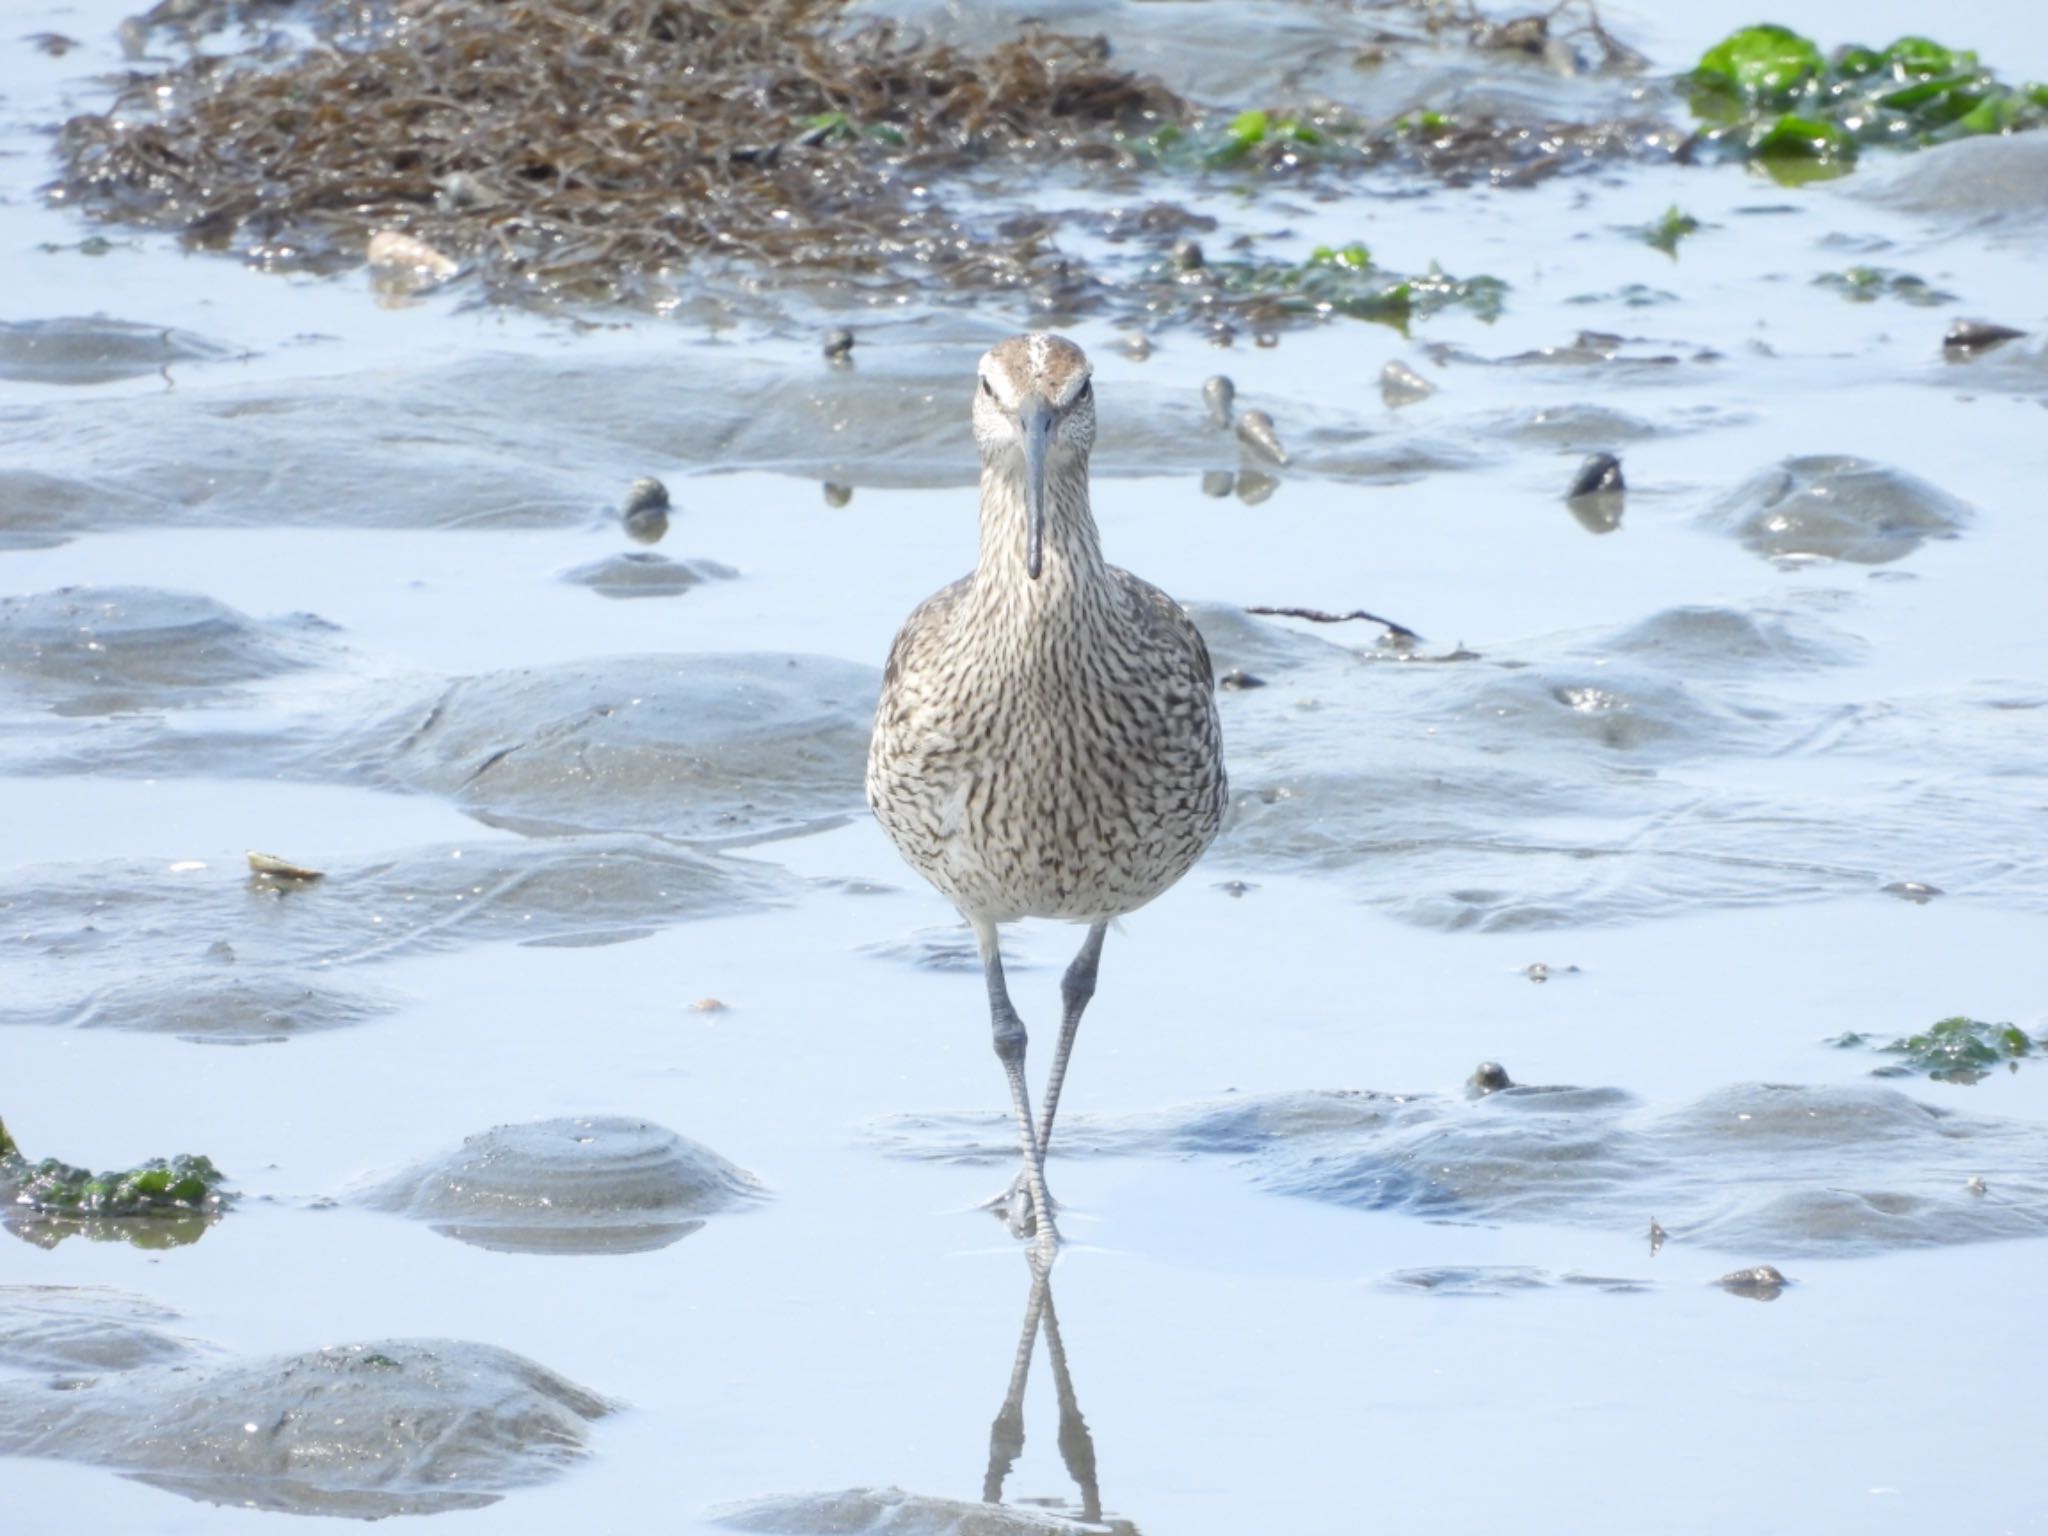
(1047, 743)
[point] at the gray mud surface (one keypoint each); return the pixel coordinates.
(592, 1184)
(1757, 1168)
(1682, 786)
(398, 1427)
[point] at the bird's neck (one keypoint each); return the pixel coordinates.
(1070, 564)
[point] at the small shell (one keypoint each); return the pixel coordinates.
(1255, 431)
(411, 262)
(1218, 394)
(1401, 385)
(1600, 475)
(268, 866)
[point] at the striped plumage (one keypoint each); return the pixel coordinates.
(1047, 743)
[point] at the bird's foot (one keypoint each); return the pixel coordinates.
(1015, 1207)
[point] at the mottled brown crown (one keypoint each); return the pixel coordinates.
(1038, 362)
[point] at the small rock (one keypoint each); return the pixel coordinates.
(1236, 888)
(1255, 431)
(1238, 678)
(837, 495)
(1970, 336)
(1218, 394)
(1916, 891)
(1266, 339)
(708, 1005)
(646, 511)
(839, 346)
(1218, 482)
(1186, 254)
(1656, 1237)
(1976, 1185)
(1763, 1283)
(1401, 385)
(1136, 347)
(1537, 971)
(1600, 475)
(1488, 1077)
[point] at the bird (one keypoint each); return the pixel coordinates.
(1047, 742)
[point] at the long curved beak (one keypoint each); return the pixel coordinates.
(1034, 422)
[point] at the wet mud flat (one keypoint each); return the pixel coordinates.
(601, 1109)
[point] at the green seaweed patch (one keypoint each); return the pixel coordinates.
(158, 1203)
(1953, 1050)
(1768, 95)
(1665, 231)
(1866, 285)
(1345, 280)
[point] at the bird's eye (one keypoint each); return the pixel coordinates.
(987, 390)
(1087, 391)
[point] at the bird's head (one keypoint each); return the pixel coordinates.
(1034, 410)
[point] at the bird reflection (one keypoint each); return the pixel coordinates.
(1077, 1445)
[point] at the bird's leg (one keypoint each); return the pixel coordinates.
(1009, 1035)
(1076, 988)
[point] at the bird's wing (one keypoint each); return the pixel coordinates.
(1169, 622)
(925, 617)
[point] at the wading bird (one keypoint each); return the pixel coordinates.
(1047, 743)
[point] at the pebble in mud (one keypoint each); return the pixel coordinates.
(1218, 483)
(1237, 679)
(1255, 430)
(585, 1184)
(837, 495)
(1965, 338)
(1599, 475)
(1137, 346)
(1919, 892)
(395, 1427)
(1763, 1282)
(839, 347)
(1401, 385)
(645, 514)
(1186, 255)
(1488, 1077)
(1595, 496)
(1218, 395)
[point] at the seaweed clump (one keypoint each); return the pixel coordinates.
(574, 150)
(1953, 1050)
(160, 1203)
(1768, 94)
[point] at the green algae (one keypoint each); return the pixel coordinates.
(1769, 95)
(1958, 1049)
(1345, 280)
(1664, 232)
(161, 1202)
(1866, 285)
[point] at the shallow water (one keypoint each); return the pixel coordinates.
(328, 579)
